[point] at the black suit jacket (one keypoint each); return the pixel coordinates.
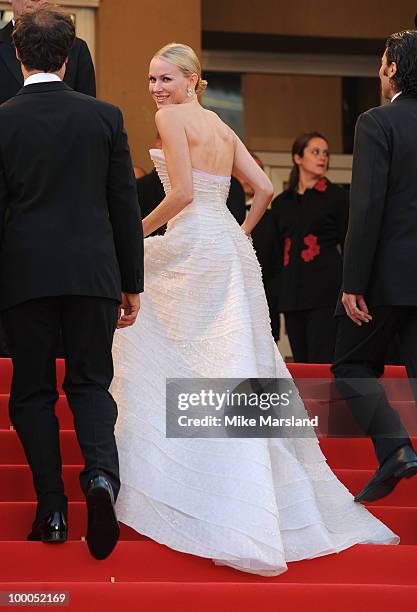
(79, 73)
(267, 244)
(69, 215)
(236, 200)
(380, 250)
(150, 194)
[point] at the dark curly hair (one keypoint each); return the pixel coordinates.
(401, 48)
(43, 38)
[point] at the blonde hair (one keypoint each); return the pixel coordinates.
(187, 61)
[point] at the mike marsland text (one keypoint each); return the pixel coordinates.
(241, 421)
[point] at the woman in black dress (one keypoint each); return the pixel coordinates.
(311, 217)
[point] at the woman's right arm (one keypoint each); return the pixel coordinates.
(246, 167)
(177, 156)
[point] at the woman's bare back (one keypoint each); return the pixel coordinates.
(193, 137)
(211, 142)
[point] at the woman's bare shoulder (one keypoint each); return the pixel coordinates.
(225, 130)
(211, 113)
(167, 113)
(215, 117)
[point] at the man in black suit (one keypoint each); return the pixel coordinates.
(380, 265)
(79, 74)
(71, 249)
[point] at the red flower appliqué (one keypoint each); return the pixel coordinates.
(287, 246)
(313, 248)
(321, 185)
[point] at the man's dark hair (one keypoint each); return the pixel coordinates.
(401, 48)
(43, 38)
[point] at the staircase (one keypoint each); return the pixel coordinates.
(143, 575)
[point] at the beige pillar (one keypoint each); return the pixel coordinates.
(128, 34)
(330, 18)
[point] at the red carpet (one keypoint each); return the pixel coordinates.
(142, 575)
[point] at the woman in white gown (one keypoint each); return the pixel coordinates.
(253, 504)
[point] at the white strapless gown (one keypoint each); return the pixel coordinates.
(253, 504)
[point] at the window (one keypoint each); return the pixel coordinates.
(224, 96)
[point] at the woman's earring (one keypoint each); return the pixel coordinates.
(189, 92)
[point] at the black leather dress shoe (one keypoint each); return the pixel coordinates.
(51, 529)
(103, 528)
(401, 464)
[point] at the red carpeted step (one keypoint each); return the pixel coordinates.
(148, 561)
(177, 597)
(150, 576)
(316, 381)
(337, 421)
(16, 481)
(231, 597)
(4, 410)
(16, 520)
(407, 410)
(62, 411)
(6, 370)
(11, 450)
(297, 370)
(324, 389)
(322, 370)
(311, 379)
(353, 453)
(402, 520)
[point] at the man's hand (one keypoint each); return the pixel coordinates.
(130, 306)
(356, 308)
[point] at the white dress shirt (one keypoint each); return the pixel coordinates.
(396, 96)
(41, 77)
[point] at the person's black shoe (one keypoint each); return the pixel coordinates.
(401, 464)
(52, 529)
(103, 528)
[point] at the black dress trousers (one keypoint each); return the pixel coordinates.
(33, 328)
(359, 361)
(312, 334)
